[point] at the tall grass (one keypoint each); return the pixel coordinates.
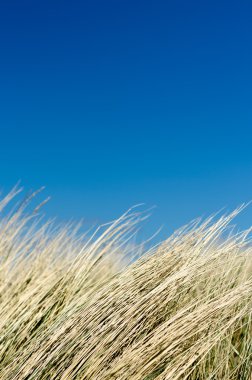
(76, 307)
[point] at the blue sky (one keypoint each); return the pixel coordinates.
(112, 103)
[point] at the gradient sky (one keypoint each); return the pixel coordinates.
(112, 103)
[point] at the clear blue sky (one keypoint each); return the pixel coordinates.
(112, 103)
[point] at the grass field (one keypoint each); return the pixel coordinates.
(83, 307)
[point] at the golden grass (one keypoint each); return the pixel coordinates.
(76, 307)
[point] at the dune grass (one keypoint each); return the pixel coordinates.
(82, 307)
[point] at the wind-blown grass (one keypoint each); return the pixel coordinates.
(76, 307)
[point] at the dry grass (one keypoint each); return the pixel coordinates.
(71, 309)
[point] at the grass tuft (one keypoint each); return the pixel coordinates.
(84, 307)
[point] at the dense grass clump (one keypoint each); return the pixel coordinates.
(76, 307)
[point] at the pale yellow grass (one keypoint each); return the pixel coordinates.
(79, 307)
